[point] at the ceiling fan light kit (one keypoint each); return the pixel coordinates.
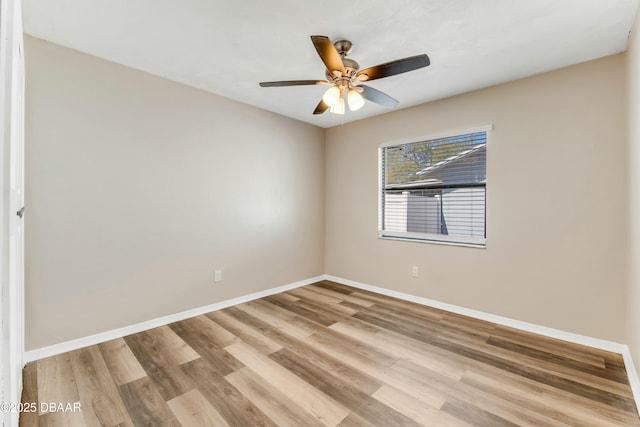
(343, 75)
(338, 108)
(355, 100)
(332, 96)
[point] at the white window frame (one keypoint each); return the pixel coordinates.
(467, 241)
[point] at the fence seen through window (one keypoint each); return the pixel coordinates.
(435, 190)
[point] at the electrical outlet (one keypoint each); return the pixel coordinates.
(415, 271)
(217, 276)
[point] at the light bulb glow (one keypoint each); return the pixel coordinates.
(332, 96)
(356, 101)
(339, 107)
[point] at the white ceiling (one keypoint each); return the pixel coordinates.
(227, 47)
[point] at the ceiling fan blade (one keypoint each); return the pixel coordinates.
(328, 53)
(394, 67)
(374, 95)
(293, 83)
(321, 107)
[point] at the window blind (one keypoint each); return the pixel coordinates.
(435, 190)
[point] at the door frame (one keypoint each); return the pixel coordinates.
(11, 196)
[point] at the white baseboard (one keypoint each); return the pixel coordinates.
(614, 347)
(611, 346)
(634, 380)
(52, 350)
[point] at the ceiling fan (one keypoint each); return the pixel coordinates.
(345, 79)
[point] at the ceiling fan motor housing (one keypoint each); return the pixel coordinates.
(351, 67)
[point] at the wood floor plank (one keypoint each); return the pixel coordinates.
(149, 352)
(62, 419)
(423, 326)
(280, 408)
(554, 367)
(381, 414)
(345, 297)
(288, 316)
(204, 336)
(355, 420)
(457, 362)
(386, 301)
(414, 409)
(99, 395)
(208, 328)
(384, 374)
(423, 317)
(300, 310)
(315, 354)
(56, 382)
(329, 354)
(436, 381)
(289, 297)
(277, 319)
(145, 404)
(30, 395)
(275, 311)
(123, 365)
(327, 284)
(616, 375)
(324, 408)
(557, 404)
(570, 385)
(340, 309)
(577, 351)
(335, 312)
(346, 344)
(309, 293)
(252, 337)
(551, 366)
(596, 393)
(192, 409)
(170, 381)
(165, 341)
(234, 406)
(323, 299)
(503, 408)
(341, 391)
(475, 415)
(152, 349)
(405, 349)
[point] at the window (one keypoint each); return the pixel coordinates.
(434, 190)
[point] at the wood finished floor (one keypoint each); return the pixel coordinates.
(327, 354)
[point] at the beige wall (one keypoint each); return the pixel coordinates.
(556, 202)
(633, 90)
(138, 188)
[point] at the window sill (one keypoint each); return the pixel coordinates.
(477, 245)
